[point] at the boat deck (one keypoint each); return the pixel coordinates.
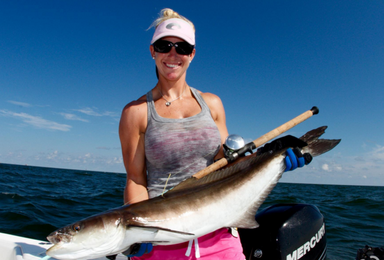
(22, 248)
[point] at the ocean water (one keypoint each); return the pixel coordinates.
(35, 201)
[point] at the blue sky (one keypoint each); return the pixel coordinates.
(67, 68)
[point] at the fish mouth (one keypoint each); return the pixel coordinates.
(57, 237)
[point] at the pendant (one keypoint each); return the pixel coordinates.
(167, 103)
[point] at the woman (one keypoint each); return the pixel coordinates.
(173, 132)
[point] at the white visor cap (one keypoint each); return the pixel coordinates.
(175, 27)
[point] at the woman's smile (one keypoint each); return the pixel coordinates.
(172, 65)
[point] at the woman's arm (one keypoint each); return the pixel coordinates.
(218, 114)
(131, 131)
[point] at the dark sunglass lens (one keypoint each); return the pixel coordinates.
(162, 46)
(184, 48)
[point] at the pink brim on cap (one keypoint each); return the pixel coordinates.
(175, 27)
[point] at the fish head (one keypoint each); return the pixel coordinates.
(93, 237)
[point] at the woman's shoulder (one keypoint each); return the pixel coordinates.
(135, 112)
(136, 105)
(214, 103)
(211, 99)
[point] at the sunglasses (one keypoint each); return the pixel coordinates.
(183, 48)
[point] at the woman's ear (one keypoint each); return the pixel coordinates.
(192, 55)
(153, 53)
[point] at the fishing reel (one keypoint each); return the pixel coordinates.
(235, 147)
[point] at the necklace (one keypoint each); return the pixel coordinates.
(168, 103)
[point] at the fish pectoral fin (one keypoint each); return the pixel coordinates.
(159, 235)
(157, 229)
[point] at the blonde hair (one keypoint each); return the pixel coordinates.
(168, 13)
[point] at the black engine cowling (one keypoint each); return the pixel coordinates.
(286, 232)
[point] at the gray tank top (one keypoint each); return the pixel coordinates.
(175, 149)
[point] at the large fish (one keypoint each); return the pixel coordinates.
(228, 197)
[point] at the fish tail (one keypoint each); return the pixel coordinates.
(315, 145)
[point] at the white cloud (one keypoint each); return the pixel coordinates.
(88, 111)
(92, 112)
(88, 161)
(115, 160)
(53, 155)
(73, 117)
(22, 104)
(371, 161)
(325, 167)
(377, 153)
(108, 148)
(111, 114)
(36, 121)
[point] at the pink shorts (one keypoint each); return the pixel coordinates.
(217, 245)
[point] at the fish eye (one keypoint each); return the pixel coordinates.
(76, 227)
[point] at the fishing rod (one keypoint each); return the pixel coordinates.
(257, 143)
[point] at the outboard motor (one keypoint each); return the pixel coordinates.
(286, 232)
